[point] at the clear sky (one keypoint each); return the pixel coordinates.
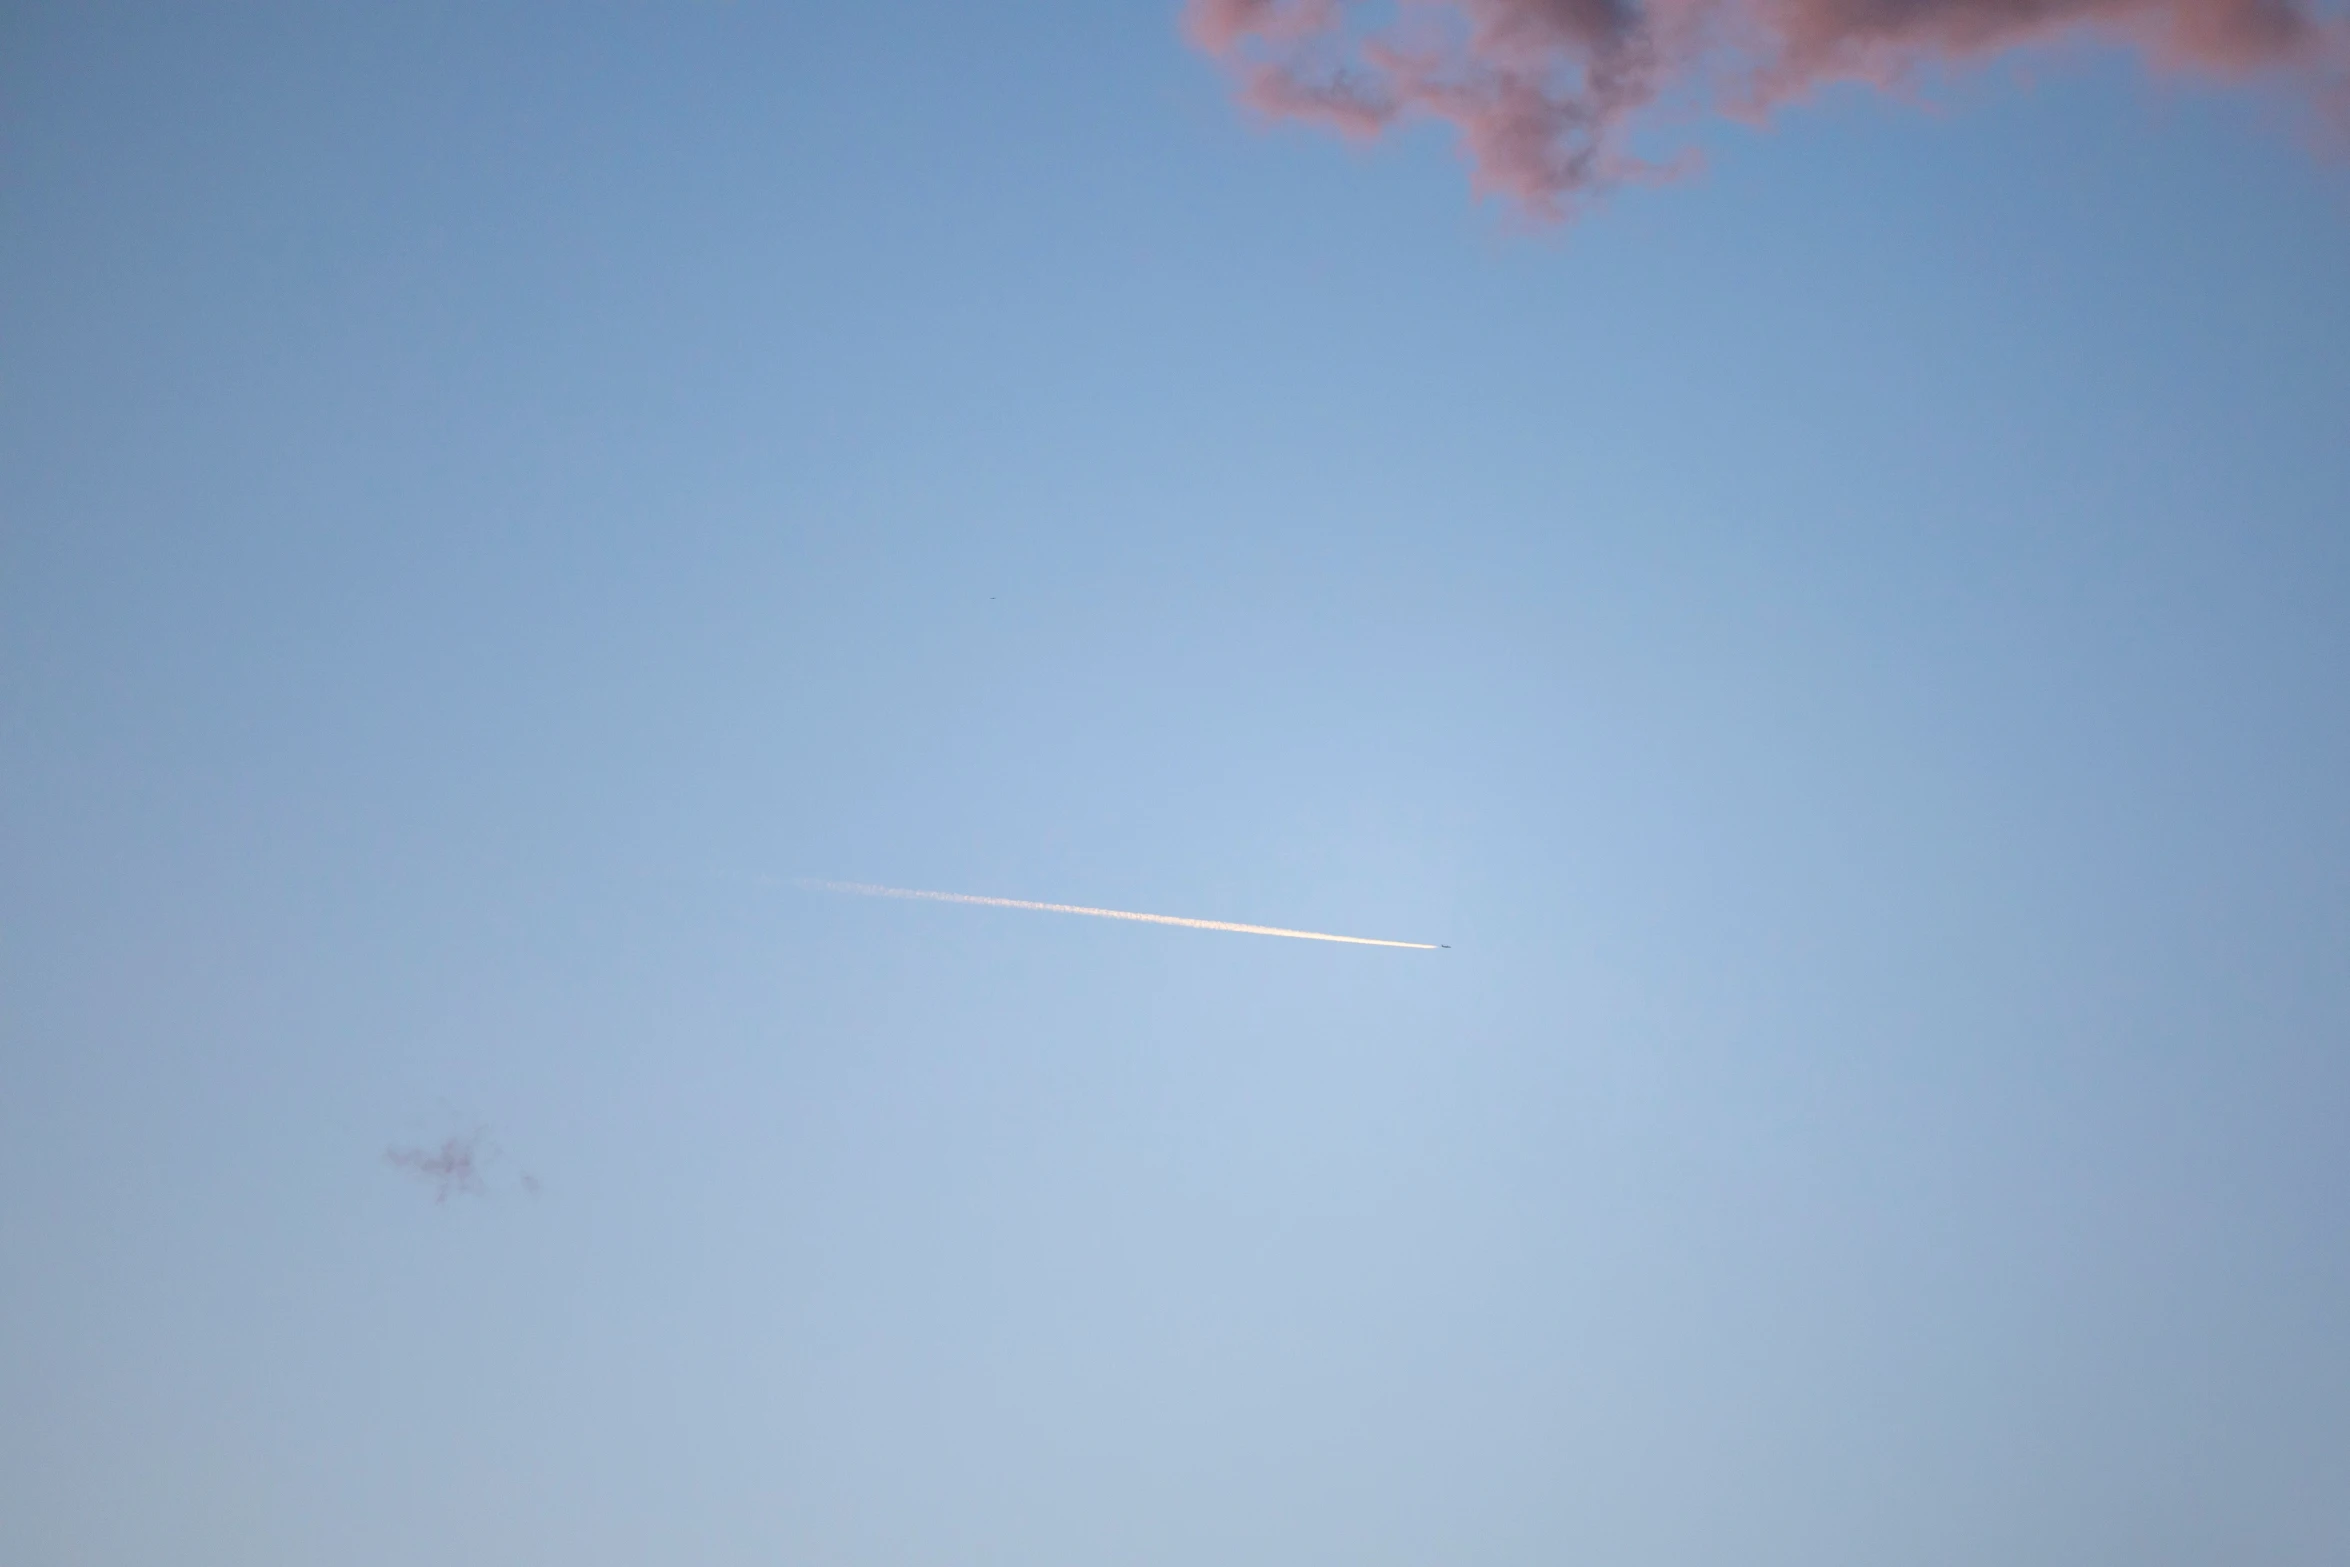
(1850, 647)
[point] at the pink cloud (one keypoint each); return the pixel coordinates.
(1545, 95)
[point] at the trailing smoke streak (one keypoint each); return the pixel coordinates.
(867, 890)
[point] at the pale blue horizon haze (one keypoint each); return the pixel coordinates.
(1851, 649)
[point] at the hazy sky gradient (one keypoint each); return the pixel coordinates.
(1852, 651)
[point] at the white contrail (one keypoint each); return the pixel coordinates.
(867, 890)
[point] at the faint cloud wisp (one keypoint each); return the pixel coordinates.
(1545, 95)
(456, 1166)
(452, 1169)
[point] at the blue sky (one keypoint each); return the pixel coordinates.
(1849, 650)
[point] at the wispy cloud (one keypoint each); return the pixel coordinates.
(453, 1169)
(456, 1166)
(1546, 94)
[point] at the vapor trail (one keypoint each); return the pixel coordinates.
(867, 890)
